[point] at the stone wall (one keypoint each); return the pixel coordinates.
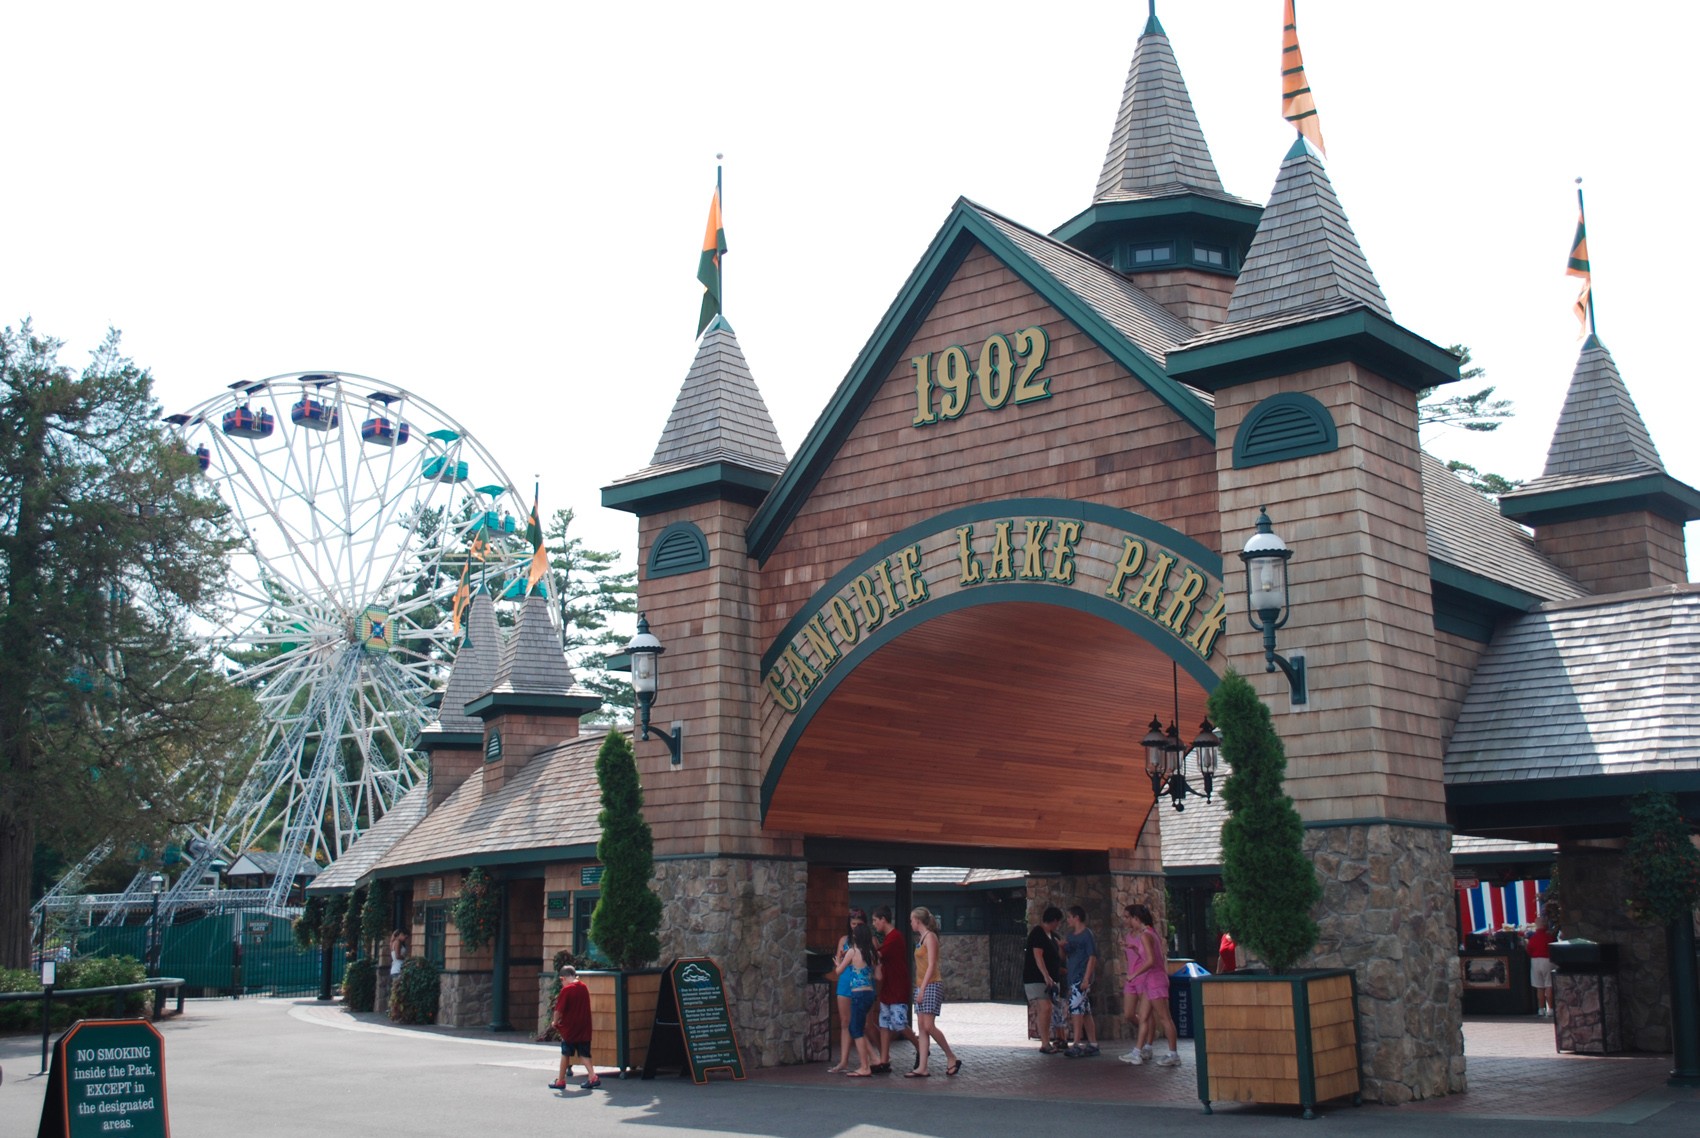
(1591, 892)
(381, 996)
(749, 915)
(965, 967)
(1103, 896)
(464, 999)
(1387, 912)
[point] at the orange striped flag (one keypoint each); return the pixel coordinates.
(1297, 105)
(1578, 266)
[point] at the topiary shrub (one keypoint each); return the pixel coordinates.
(477, 911)
(1269, 885)
(1664, 866)
(359, 985)
(628, 912)
(413, 996)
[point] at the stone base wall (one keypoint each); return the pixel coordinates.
(1387, 912)
(464, 999)
(546, 992)
(381, 998)
(750, 917)
(1591, 892)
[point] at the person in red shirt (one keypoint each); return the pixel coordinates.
(893, 988)
(1226, 953)
(571, 1021)
(1540, 965)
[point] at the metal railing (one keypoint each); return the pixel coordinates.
(158, 985)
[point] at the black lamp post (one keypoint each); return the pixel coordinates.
(1266, 556)
(645, 651)
(157, 880)
(1165, 761)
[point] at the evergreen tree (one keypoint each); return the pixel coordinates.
(591, 590)
(1269, 884)
(628, 913)
(1664, 866)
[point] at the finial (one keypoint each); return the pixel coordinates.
(1152, 27)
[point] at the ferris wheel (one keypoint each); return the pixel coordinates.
(368, 516)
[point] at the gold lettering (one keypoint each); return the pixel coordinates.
(1062, 561)
(1002, 554)
(825, 650)
(1133, 556)
(1203, 638)
(782, 693)
(892, 604)
(872, 614)
(914, 585)
(1033, 550)
(807, 677)
(1146, 599)
(1180, 605)
(844, 619)
(971, 573)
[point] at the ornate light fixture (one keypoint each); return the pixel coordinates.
(645, 651)
(1266, 556)
(1165, 757)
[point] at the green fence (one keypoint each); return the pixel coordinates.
(229, 954)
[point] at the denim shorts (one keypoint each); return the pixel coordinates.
(861, 1001)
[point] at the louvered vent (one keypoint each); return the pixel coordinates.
(1284, 426)
(681, 548)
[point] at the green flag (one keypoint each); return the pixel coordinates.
(708, 267)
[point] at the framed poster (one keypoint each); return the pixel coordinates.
(1486, 971)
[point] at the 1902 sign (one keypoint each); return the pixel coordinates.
(108, 1077)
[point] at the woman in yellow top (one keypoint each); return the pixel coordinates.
(929, 994)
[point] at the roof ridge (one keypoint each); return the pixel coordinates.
(1156, 140)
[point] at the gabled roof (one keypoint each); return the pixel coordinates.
(1603, 686)
(545, 811)
(473, 672)
(347, 871)
(1466, 533)
(1156, 148)
(1125, 322)
(255, 863)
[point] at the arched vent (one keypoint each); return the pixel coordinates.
(1288, 425)
(681, 548)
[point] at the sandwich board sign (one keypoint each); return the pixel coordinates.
(108, 1078)
(693, 1029)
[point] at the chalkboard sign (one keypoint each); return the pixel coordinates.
(693, 1030)
(108, 1077)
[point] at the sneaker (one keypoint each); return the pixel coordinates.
(1172, 1059)
(1145, 1053)
(593, 1084)
(1133, 1057)
(557, 1086)
(1089, 1050)
(1074, 1052)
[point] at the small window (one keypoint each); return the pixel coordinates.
(1213, 255)
(1162, 253)
(436, 929)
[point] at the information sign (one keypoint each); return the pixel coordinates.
(692, 1023)
(108, 1077)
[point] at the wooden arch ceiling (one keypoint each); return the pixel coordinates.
(1012, 725)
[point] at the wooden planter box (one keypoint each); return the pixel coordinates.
(1289, 1039)
(622, 1016)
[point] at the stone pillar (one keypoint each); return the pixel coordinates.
(749, 915)
(463, 999)
(1591, 892)
(1383, 915)
(1102, 895)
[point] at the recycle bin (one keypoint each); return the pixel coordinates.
(1180, 994)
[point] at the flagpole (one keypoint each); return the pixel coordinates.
(1581, 212)
(719, 261)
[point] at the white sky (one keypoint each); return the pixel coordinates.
(500, 206)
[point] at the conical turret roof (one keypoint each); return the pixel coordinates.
(719, 415)
(1600, 431)
(1157, 148)
(532, 662)
(474, 667)
(1305, 257)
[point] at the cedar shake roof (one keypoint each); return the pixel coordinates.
(1600, 435)
(1156, 149)
(1589, 687)
(357, 860)
(1129, 309)
(547, 805)
(1305, 255)
(719, 415)
(532, 662)
(1466, 531)
(473, 672)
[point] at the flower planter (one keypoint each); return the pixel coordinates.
(1287, 1039)
(622, 1016)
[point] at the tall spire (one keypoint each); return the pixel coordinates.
(1156, 148)
(1305, 254)
(474, 668)
(719, 414)
(1599, 431)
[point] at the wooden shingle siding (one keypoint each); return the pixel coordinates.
(1619, 553)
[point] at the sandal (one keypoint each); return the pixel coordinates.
(955, 1066)
(858, 1074)
(918, 1075)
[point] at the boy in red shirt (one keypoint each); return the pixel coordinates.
(571, 1021)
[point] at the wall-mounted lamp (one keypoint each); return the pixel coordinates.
(1165, 761)
(1266, 557)
(645, 651)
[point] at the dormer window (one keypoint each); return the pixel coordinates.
(1156, 253)
(1215, 256)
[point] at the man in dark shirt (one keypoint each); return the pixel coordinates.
(893, 988)
(1041, 974)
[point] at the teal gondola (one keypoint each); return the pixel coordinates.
(438, 468)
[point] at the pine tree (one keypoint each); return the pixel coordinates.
(1269, 885)
(628, 913)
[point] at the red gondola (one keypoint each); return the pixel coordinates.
(247, 423)
(203, 457)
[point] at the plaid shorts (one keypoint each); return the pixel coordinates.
(929, 1001)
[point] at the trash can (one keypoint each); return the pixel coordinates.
(1180, 995)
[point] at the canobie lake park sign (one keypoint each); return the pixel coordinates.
(1127, 567)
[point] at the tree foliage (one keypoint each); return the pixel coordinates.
(1475, 411)
(113, 719)
(477, 910)
(591, 590)
(1664, 866)
(628, 913)
(1269, 884)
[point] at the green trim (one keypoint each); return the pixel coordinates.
(1361, 335)
(1567, 788)
(1085, 228)
(495, 702)
(1336, 823)
(1124, 520)
(1104, 607)
(584, 851)
(965, 227)
(1509, 857)
(1483, 588)
(710, 482)
(444, 740)
(1288, 424)
(1659, 493)
(1458, 613)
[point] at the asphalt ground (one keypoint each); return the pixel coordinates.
(277, 1066)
